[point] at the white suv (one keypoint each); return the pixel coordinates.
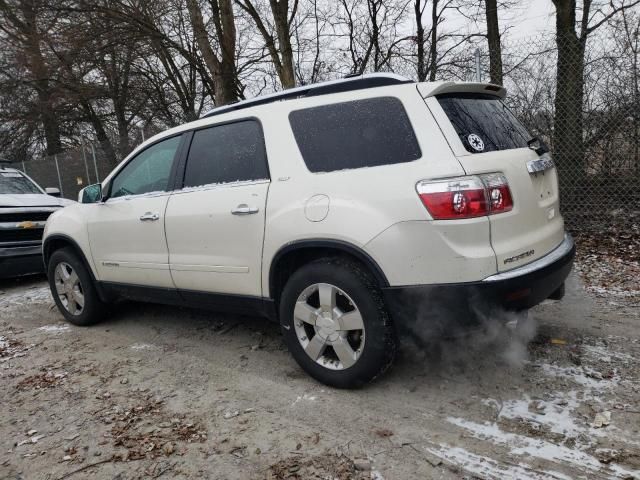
(345, 210)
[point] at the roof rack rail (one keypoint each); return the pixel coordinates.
(347, 84)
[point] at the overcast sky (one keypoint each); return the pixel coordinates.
(528, 18)
(533, 18)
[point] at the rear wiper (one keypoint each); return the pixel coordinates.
(537, 145)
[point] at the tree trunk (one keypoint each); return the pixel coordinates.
(493, 39)
(48, 118)
(422, 72)
(374, 10)
(433, 47)
(40, 73)
(123, 133)
(101, 134)
(280, 9)
(568, 144)
(282, 53)
(222, 70)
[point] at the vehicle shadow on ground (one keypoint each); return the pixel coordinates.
(478, 357)
(22, 282)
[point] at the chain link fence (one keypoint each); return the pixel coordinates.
(589, 115)
(70, 171)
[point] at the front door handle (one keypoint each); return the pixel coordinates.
(149, 217)
(244, 209)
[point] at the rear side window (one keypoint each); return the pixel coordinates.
(483, 122)
(228, 153)
(362, 133)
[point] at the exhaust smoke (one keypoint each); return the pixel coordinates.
(461, 332)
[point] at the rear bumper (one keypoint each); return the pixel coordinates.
(514, 290)
(16, 261)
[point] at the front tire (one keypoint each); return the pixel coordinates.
(73, 289)
(335, 323)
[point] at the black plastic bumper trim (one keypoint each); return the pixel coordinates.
(521, 292)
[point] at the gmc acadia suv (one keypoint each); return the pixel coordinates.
(341, 209)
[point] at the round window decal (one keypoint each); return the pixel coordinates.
(476, 142)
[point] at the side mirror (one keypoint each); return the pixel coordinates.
(90, 194)
(54, 192)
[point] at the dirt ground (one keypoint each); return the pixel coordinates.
(159, 392)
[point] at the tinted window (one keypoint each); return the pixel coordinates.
(12, 183)
(486, 118)
(363, 133)
(226, 153)
(148, 172)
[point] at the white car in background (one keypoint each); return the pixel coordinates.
(348, 211)
(24, 209)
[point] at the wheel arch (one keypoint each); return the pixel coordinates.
(295, 254)
(58, 241)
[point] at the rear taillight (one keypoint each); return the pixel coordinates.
(466, 197)
(498, 193)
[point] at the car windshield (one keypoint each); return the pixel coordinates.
(14, 183)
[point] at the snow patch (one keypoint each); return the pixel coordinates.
(581, 376)
(54, 328)
(525, 446)
(142, 346)
(485, 467)
(306, 397)
(208, 186)
(555, 414)
(599, 352)
(24, 297)
(10, 350)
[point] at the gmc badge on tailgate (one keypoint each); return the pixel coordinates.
(544, 162)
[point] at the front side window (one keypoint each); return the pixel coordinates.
(233, 152)
(357, 134)
(14, 183)
(483, 122)
(148, 172)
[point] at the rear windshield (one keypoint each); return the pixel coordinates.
(483, 122)
(12, 183)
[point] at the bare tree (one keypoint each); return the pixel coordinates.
(436, 48)
(23, 24)
(572, 34)
(222, 67)
(371, 30)
(281, 52)
(493, 40)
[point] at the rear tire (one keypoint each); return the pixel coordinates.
(335, 323)
(73, 289)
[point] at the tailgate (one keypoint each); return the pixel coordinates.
(534, 227)
(486, 138)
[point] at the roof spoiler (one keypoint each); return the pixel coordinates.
(439, 88)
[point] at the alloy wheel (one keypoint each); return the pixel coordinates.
(69, 288)
(329, 326)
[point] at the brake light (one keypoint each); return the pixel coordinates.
(466, 197)
(498, 193)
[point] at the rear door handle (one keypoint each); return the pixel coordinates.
(244, 209)
(149, 217)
